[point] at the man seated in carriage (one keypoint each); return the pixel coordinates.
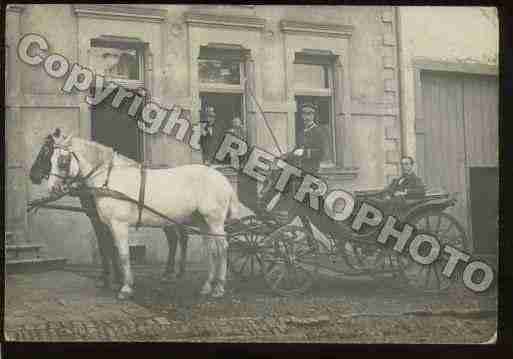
(409, 185)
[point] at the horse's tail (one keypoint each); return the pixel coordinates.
(233, 206)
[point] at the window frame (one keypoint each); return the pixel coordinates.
(213, 52)
(220, 52)
(328, 62)
(138, 46)
(136, 86)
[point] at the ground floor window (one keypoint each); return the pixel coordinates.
(121, 62)
(314, 82)
(324, 120)
(220, 113)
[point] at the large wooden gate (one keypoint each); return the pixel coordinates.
(457, 132)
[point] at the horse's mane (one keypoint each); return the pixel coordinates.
(96, 152)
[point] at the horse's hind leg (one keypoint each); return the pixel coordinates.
(172, 241)
(218, 248)
(211, 257)
(120, 234)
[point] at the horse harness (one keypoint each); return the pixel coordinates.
(104, 191)
(142, 188)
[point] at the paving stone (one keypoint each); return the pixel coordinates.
(162, 320)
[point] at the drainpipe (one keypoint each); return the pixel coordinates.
(400, 82)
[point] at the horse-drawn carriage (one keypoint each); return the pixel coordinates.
(289, 257)
(266, 244)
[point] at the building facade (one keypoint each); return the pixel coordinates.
(238, 61)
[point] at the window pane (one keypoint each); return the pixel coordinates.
(114, 62)
(310, 76)
(219, 71)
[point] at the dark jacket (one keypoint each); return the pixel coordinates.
(411, 183)
(312, 143)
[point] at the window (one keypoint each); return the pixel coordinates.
(221, 83)
(313, 82)
(120, 62)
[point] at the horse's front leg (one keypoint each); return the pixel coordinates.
(172, 241)
(184, 239)
(120, 234)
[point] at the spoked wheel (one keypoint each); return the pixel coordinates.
(247, 253)
(429, 278)
(373, 259)
(293, 265)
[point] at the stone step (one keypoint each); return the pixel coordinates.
(34, 265)
(23, 251)
(10, 237)
(26, 247)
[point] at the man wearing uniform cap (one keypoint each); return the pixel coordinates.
(310, 148)
(310, 151)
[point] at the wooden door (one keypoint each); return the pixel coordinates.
(456, 132)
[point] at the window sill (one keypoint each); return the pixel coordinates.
(332, 171)
(344, 173)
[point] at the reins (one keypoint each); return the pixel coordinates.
(107, 192)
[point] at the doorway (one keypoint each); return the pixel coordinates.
(227, 107)
(456, 136)
(113, 127)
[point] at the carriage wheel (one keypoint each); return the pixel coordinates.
(293, 262)
(429, 278)
(372, 259)
(246, 253)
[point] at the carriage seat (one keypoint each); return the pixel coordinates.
(375, 196)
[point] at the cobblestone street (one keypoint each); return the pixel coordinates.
(67, 306)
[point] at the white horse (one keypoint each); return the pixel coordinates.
(180, 193)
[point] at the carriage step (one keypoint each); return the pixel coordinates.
(34, 265)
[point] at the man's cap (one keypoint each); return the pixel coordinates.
(309, 105)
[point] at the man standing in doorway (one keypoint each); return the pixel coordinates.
(207, 122)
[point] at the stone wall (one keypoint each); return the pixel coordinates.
(366, 114)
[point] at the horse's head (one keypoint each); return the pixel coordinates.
(41, 167)
(60, 165)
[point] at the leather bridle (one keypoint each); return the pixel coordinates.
(69, 180)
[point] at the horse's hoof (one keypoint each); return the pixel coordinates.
(206, 289)
(125, 295)
(218, 292)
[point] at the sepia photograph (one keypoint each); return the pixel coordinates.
(251, 173)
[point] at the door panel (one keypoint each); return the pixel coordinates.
(459, 133)
(442, 163)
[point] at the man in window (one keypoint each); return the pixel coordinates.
(409, 185)
(310, 152)
(311, 148)
(207, 133)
